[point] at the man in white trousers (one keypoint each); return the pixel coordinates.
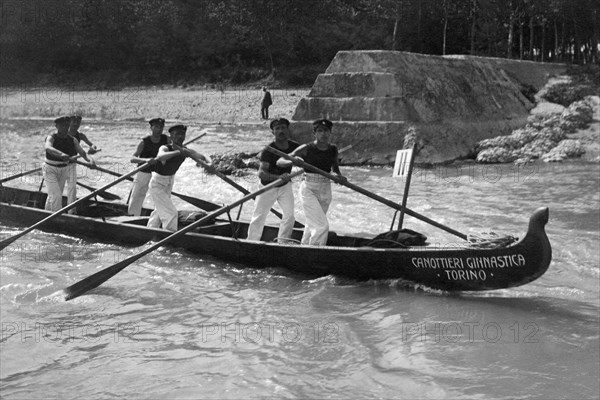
(168, 160)
(59, 165)
(284, 194)
(146, 151)
(315, 190)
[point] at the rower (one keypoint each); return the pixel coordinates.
(59, 166)
(168, 160)
(284, 194)
(146, 150)
(315, 190)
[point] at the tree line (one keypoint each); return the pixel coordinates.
(236, 41)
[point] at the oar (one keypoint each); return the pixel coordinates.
(11, 239)
(367, 193)
(239, 187)
(95, 280)
(194, 139)
(343, 149)
(10, 178)
(104, 194)
(202, 204)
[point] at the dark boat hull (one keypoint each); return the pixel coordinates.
(464, 269)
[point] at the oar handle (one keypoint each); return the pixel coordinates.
(343, 149)
(367, 193)
(102, 276)
(194, 139)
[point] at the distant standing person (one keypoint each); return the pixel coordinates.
(315, 190)
(169, 159)
(267, 100)
(146, 152)
(268, 172)
(59, 166)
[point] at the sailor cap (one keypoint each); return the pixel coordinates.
(322, 122)
(279, 121)
(179, 127)
(158, 121)
(62, 120)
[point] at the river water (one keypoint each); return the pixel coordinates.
(177, 325)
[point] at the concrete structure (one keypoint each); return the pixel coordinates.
(452, 102)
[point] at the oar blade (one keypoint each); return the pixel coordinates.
(103, 193)
(95, 280)
(109, 196)
(6, 242)
(201, 204)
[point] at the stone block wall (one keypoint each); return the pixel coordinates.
(452, 102)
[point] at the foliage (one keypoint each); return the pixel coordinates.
(567, 93)
(589, 73)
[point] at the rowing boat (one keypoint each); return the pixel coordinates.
(450, 269)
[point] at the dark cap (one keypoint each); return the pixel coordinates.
(279, 121)
(62, 120)
(75, 117)
(158, 121)
(180, 127)
(322, 122)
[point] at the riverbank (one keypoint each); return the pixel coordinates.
(233, 114)
(189, 105)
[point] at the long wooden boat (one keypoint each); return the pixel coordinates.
(449, 269)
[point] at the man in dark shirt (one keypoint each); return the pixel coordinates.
(146, 150)
(315, 190)
(59, 166)
(168, 160)
(269, 172)
(265, 103)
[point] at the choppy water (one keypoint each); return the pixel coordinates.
(181, 326)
